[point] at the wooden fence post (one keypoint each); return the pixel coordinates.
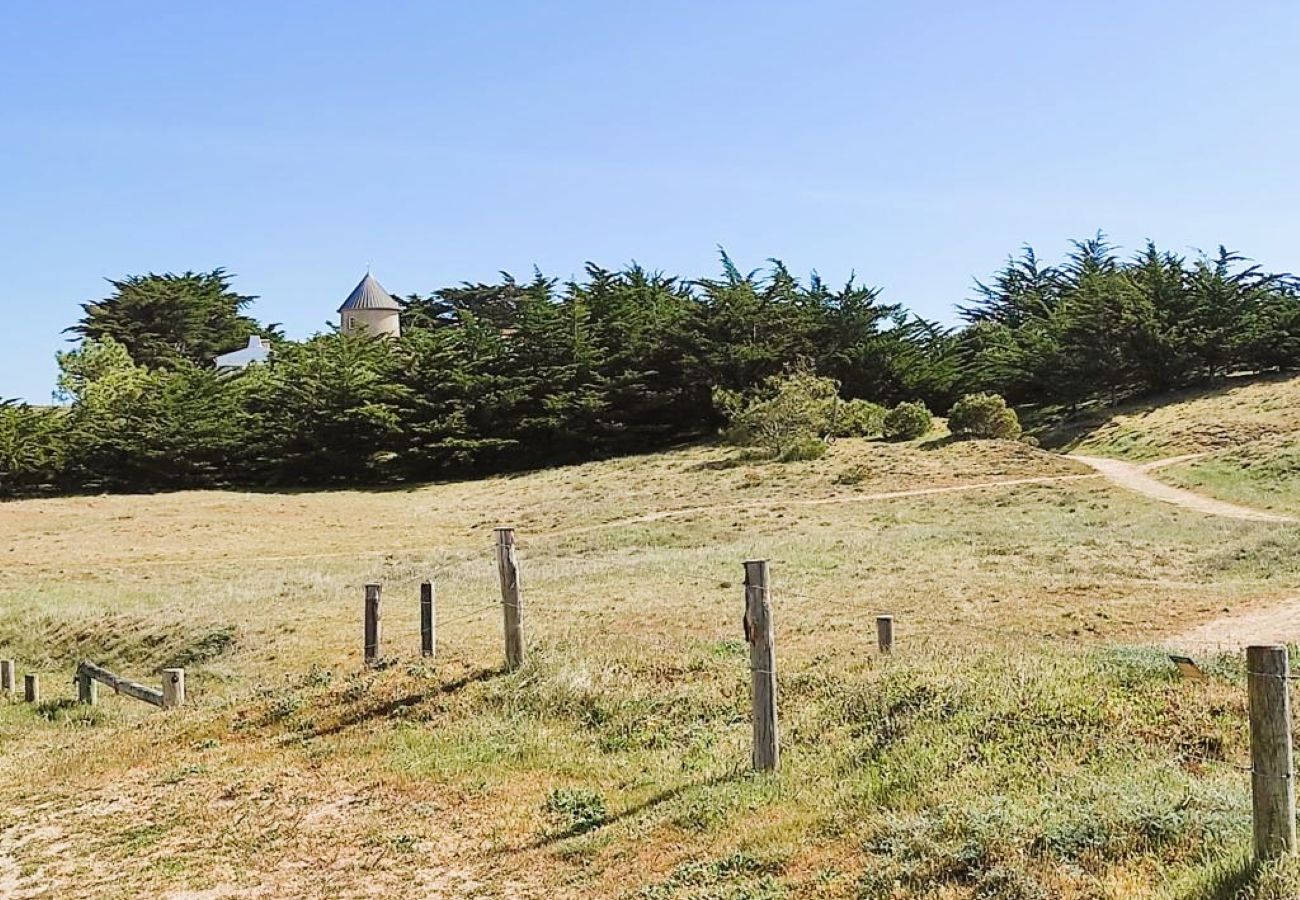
(87, 688)
(428, 621)
(32, 688)
(373, 633)
(511, 597)
(173, 687)
(1272, 787)
(7, 684)
(885, 633)
(762, 665)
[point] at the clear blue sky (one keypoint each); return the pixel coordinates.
(917, 143)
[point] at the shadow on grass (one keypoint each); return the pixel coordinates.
(741, 457)
(1231, 882)
(649, 803)
(1061, 430)
(937, 443)
(395, 705)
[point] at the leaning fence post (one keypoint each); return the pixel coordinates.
(7, 685)
(32, 688)
(511, 597)
(373, 633)
(885, 633)
(428, 622)
(1272, 787)
(87, 687)
(173, 688)
(762, 665)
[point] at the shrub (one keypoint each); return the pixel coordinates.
(907, 422)
(859, 418)
(576, 809)
(853, 475)
(803, 448)
(983, 416)
(32, 446)
(790, 414)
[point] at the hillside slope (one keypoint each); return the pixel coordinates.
(1246, 436)
(1018, 743)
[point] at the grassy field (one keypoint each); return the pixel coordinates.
(1021, 743)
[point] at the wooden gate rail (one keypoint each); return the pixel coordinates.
(172, 693)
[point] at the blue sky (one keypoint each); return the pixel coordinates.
(917, 143)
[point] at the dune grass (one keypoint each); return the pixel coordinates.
(1012, 747)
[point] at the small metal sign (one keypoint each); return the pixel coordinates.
(1187, 666)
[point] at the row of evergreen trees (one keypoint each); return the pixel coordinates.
(514, 374)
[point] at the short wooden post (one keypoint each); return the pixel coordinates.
(1272, 787)
(373, 633)
(32, 688)
(7, 683)
(885, 633)
(762, 665)
(173, 687)
(511, 597)
(428, 622)
(87, 688)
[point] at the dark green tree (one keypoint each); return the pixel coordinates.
(167, 320)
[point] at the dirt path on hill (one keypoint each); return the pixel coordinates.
(781, 503)
(659, 515)
(1135, 478)
(1272, 624)
(1275, 624)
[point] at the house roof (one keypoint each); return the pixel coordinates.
(369, 294)
(256, 351)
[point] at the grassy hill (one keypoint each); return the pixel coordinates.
(1246, 436)
(1022, 741)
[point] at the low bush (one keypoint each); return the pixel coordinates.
(787, 418)
(803, 448)
(983, 416)
(577, 810)
(852, 475)
(859, 418)
(907, 422)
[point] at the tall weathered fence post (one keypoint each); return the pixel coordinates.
(87, 688)
(173, 687)
(7, 683)
(885, 633)
(32, 688)
(373, 633)
(428, 620)
(1272, 786)
(511, 597)
(762, 665)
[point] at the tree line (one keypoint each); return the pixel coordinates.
(513, 374)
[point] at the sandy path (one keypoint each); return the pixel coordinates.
(1279, 623)
(1272, 625)
(781, 503)
(1135, 478)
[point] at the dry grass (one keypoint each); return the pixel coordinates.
(614, 763)
(1247, 434)
(1195, 421)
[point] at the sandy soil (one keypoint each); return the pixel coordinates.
(1135, 478)
(1274, 624)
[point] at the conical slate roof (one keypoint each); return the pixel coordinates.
(369, 294)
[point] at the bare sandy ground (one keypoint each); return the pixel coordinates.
(1135, 478)
(1279, 623)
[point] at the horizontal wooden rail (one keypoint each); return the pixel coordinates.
(119, 684)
